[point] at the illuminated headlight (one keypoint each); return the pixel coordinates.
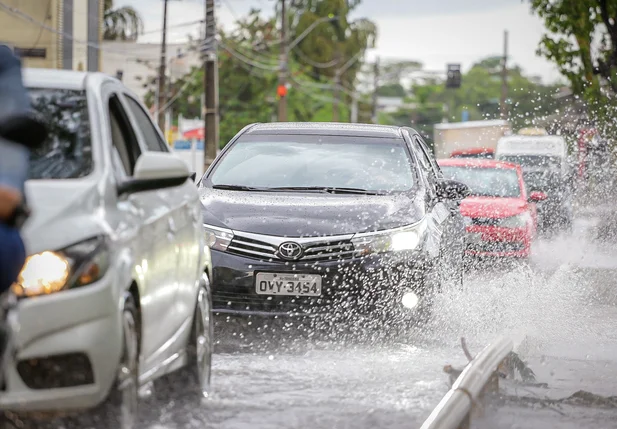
(53, 271)
(393, 240)
(518, 221)
(218, 238)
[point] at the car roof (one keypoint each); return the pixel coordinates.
(477, 163)
(62, 79)
(473, 150)
(326, 128)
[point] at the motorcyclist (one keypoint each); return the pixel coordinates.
(20, 132)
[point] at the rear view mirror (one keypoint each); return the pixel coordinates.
(452, 190)
(155, 170)
(537, 196)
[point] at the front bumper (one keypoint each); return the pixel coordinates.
(492, 241)
(354, 286)
(68, 348)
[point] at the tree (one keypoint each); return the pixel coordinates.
(248, 81)
(583, 44)
(479, 95)
(330, 45)
(123, 23)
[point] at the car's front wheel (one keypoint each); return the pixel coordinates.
(201, 345)
(119, 410)
(194, 378)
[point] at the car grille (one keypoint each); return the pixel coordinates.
(314, 251)
(497, 246)
(485, 221)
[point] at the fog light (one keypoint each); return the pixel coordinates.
(410, 300)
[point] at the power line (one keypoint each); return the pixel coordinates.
(246, 59)
(25, 17)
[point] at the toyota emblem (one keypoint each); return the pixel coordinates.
(290, 251)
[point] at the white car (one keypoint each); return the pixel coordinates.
(115, 291)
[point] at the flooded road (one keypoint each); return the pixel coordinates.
(560, 311)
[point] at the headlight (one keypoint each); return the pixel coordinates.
(52, 271)
(518, 221)
(218, 238)
(393, 240)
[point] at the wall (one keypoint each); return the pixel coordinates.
(68, 30)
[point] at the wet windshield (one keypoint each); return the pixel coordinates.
(486, 182)
(67, 152)
(306, 163)
(533, 161)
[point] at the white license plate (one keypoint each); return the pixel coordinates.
(289, 284)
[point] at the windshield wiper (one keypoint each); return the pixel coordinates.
(238, 188)
(331, 190)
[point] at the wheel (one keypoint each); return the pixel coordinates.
(195, 377)
(201, 346)
(119, 410)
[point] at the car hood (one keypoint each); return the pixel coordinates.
(307, 214)
(491, 207)
(62, 213)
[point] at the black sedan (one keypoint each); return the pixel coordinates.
(326, 218)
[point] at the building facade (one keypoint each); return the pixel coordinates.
(59, 34)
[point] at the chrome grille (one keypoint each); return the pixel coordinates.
(318, 250)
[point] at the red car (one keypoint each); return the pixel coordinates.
(474, 152)
(501, 216)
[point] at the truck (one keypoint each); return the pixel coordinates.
(469, 137)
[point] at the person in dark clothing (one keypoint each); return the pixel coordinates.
(20, 132)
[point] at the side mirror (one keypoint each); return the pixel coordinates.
(537, 196)
(452, 190)
(155, 170)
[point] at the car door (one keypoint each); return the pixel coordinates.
(143, 224)
(184, 223)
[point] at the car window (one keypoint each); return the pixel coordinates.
(67, 151)
(316, 161)
(429, 157)
(124, 141)
(486, 182)
(152, 138)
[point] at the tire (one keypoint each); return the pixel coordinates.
(193, 379)
(120, 408)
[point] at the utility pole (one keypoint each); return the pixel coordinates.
(283, 66)
(337, 95)
(162, 79)
(211, 85)
(504, 78)
(376, 87)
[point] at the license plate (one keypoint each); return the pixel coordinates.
(289, 284)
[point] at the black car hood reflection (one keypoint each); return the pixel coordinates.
(307, 214)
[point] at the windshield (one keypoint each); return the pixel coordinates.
(316, 161)
(479, 155)
(67, 152)
(545, 181)
(533, 161)
(486, 182)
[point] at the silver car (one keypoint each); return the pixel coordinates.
(115, 293)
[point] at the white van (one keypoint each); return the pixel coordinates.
(534, 152)
(546, 168)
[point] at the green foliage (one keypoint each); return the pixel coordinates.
(123, 23)
(582, 42)
(248, 80)
(391, 90)
(479, 95)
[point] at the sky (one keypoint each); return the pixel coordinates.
(434, 32)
